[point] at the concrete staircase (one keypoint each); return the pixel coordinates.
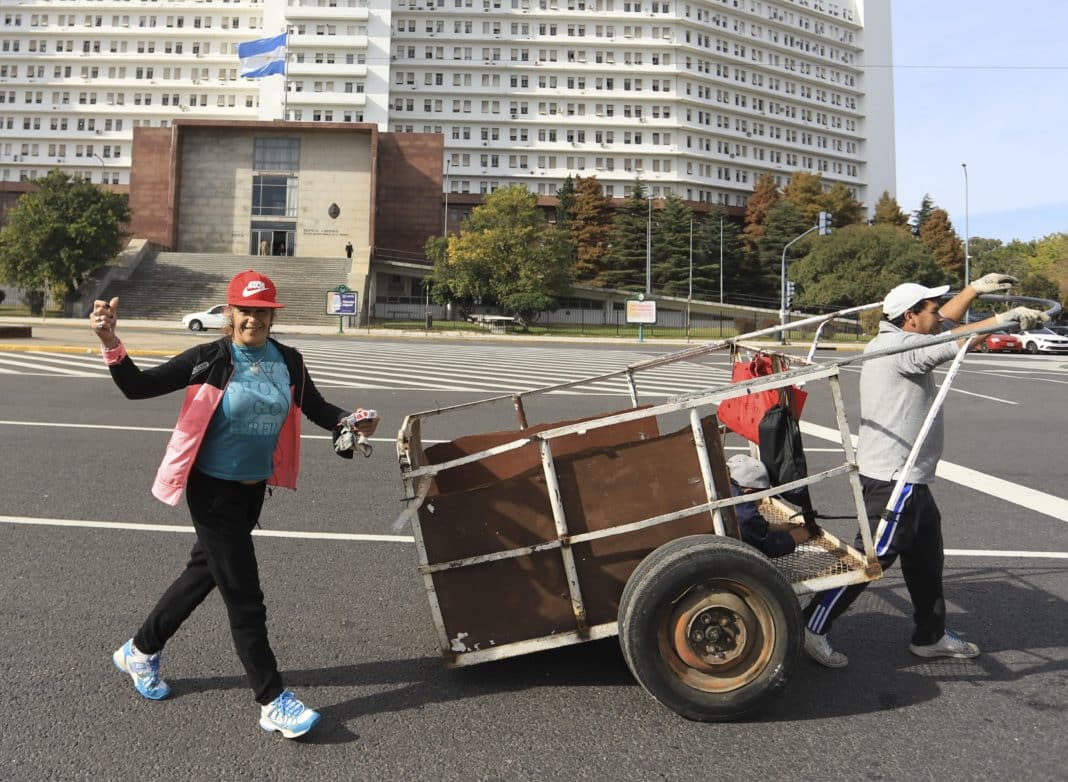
(170, 285)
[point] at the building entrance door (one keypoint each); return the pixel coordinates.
(273, 238)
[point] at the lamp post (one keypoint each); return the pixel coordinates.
(649, 249)
(689, 295)
(967, 256)
(445, 221)
(103, 166)
(823, 225)
(721, 258)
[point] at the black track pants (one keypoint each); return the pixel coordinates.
(223, 513)
(914, 534)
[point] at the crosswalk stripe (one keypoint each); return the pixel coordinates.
(458, 368)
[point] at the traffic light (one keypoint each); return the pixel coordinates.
(789, 292)
(824, 223)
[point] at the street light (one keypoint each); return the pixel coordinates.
(823, 225)
(445, 221)
(721, 257)
(967, 256)
(103, 166)
(649, 249)
(689, 295)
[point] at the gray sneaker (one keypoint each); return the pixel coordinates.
(949, 645)
(819, 649)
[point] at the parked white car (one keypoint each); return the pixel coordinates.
(1044, 341)
(209, 319)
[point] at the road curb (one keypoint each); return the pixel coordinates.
(78, 350)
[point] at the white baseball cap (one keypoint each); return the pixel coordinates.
(748, 472)
(908, 294)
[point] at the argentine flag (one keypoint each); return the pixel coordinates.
(264, 57)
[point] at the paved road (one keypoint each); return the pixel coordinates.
(351, 626)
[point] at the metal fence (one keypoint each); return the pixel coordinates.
(671, 324)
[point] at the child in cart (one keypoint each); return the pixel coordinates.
(775, 540)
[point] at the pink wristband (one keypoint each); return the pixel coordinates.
(113, 355)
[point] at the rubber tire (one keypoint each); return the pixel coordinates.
(983, 347)
(660, 582)
(1031, 347)
(196, 325)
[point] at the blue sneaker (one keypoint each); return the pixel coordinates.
(288, 715)
(143, 669)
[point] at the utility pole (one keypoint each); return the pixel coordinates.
(823, 225)
(689, 295)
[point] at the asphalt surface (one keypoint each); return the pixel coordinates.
(351, 627)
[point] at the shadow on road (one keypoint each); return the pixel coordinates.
(1019, 626)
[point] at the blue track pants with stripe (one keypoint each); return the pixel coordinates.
(913, 533)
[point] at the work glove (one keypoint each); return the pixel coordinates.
(994, 283)
(1026, 318)
(353, 431)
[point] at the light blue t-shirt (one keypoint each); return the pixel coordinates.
(239, 444)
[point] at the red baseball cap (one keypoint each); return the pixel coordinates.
(252, 289)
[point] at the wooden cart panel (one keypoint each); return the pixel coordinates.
(621, 480)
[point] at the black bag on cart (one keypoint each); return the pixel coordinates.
(783, 455)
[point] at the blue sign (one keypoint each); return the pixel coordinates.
(339, 303)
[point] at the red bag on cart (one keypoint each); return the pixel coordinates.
(743, 414)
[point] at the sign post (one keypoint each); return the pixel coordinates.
(341, 301)
(641, 312)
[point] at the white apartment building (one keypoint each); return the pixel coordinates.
(694, 97)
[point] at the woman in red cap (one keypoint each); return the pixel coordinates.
(237, 433)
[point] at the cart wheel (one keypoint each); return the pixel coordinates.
(709, 627)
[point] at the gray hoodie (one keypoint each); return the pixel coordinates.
(895, 394)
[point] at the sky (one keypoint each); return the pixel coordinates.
(984, 83)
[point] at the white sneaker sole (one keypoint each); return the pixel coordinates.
(932, 654)
(269, 726)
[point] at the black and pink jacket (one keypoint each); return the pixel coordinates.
(204, 372)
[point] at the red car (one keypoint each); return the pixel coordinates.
(1001, 342)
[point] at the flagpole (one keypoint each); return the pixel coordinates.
(285, 77)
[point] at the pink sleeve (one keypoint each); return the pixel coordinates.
(113, 355)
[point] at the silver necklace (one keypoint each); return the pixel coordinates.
(255, 364)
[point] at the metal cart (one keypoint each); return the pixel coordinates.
(557, 533)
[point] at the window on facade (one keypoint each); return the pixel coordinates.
(274, 195)
(276, 154)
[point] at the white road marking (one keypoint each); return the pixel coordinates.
(263, 533)
(973, 552)
(30, 521)
(1032, 499)
(983, 396)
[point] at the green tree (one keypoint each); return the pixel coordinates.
(59, 233)
(765, 195)
(888, 212)
(844, 208)
(591, 232)
(784, 225)
(805, 193)
(938, 234)
(671, 250)
(921, 215)
(506, 250)
(859, 264)
(626, 261)
(707, 254)
(565, 213)
(1041, 264)
(565, 203)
